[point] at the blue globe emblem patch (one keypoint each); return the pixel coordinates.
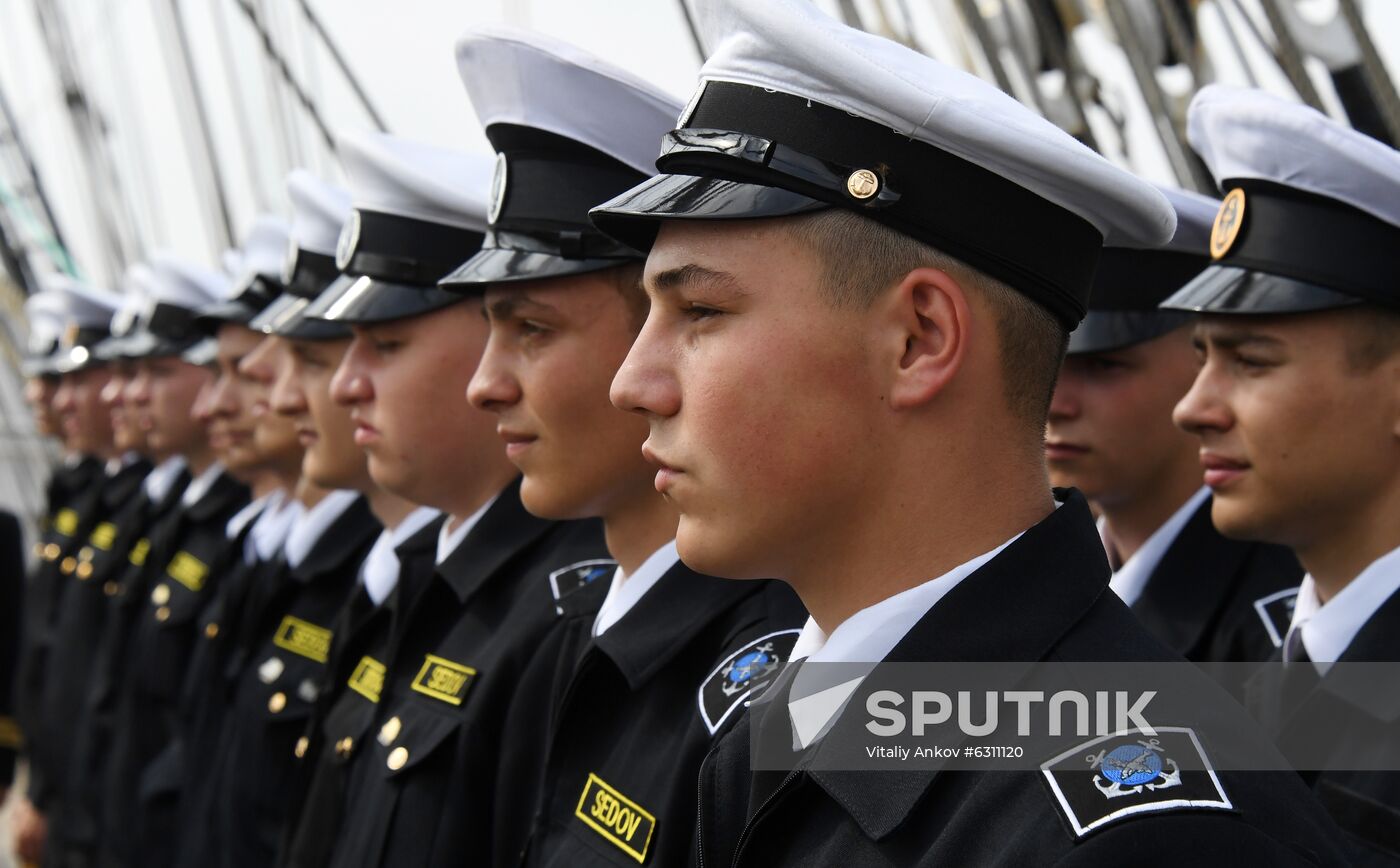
(746, 667)
(1131, 764)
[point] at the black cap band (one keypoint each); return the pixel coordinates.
(403, 250)
(1315, 240)
(829, 155)
(1140, 280)
(310, 272)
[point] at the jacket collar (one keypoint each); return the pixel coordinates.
(1191, 583)
(224, 495)
(124, 483)
(341, 546)
(670, 614)
(1054, 574)
(504, 531)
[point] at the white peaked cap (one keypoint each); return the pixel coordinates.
(319, 210)
(527, 79)
(1249, 134)
(396, 176)
(791, 46)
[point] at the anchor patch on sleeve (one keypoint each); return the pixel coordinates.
(742, 674)
(1276, 611)
(1118, 776)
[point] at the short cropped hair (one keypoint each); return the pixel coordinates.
(1376, 333)
(864, 259)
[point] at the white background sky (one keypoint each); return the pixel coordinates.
(402, 52)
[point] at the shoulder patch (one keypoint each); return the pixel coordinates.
(575, 577)
(617, 818)
(747, 670)
(1126, 774)
(1276, 611)
(443, 679)
(303, 638)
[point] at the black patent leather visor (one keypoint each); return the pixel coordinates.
(359, 300)
(1227, 289)
(634, 217)
(503, 265)
(1103, 330)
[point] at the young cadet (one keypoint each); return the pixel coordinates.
(659, 673)
(853, 399)
(286, 634)
(1110, 435)
(1297, 404)
(346, 704)
(173, 579)
(87, 436)
(422, 788)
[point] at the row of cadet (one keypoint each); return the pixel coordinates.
(411, 537)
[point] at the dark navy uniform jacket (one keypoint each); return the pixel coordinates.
(426, 789)
(11, 600)
(642, 706)
(1360, 714)
(113, 566)
(275, 691)
(76, 627)
(1044, 597)
(74, 496)
(344, 713)
(1216, 599)
(177, 578)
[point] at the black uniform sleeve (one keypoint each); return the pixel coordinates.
(11, 594)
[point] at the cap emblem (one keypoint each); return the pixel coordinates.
(498, 189)
(349, 240)
(862, 184)
(1227, 224)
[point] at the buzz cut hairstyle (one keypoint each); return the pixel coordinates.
(1033, 342)
(1377, 332)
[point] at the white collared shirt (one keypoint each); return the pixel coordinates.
(380, 571)
(254, 509)
(1130, 579)
(117, 465)
(269, 532)
(311, 524)
(162, 477)
(625, 591)
(449, 540)
(868, 636)
(1327, 629)
(200, 485)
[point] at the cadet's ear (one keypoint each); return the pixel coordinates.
(930, 319)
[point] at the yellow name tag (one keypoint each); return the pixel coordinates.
(368, 678)
(616, 817)
(443, 679)
(303, 638)
(103, 536)
(139, 552)
(188, 570)
(66, 522)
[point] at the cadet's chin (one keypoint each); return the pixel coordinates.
(1235, 517)
(545, 500)
(716, 551)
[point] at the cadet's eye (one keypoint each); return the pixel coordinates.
(700, 311)
(385, 346)
(530, 328)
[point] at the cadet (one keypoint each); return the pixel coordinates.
(853, 399)
(346, 706)
(651, 679)
(1110, 435)
(1298, 402)
(286, 634)
(77, 503)
(422, 788)
(169, 578)
(11, 601)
